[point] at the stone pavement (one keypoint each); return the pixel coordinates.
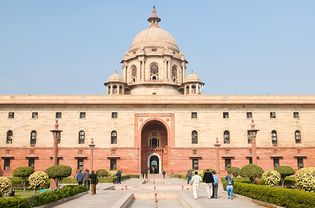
(169, 193)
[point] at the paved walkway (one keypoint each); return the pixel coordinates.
(168, 191)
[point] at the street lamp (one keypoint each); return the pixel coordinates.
(57, 136)
(92, 146)
(217, 147)
(252, 133)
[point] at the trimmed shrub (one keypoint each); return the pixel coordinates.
(58, 172)
(23, 173)
(101, 173)
(112, 173)
(284, 172)
(271, 177)
(38, 180)
(252, 172)
(17, 183)
(234, 170)
(5, 185)
(305, 179)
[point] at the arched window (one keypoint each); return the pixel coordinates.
(33, 138)
(120, 89)
(298, 137)
(194, 137)
(154, 142)
(154, 72)
(226, 137)
(9, 137)
(113, 137)
(81, 137)
(115, 89)
(187, 90)
(174, 73)
(133, 73)
(274, 137)
(193, 89)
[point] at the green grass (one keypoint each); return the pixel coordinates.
(27, 193)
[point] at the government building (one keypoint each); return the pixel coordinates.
(155, 117)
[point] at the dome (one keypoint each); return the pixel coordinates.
(192, 78)
(114, 78)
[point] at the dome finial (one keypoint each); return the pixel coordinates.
(154, 19)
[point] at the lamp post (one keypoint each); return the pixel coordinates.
(92, 146)
(217, 147)
(252, 133)
(57, 136)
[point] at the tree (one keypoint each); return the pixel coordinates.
(5, 185)
(234, 170)
(284, 172)
(38, 180)
(271, 177)
(252, 172)
(305, 179)
(23, 173)
(58, 172)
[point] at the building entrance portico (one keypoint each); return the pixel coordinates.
(154, 164)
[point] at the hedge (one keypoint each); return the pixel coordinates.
(40, 199)
(289, 198)
(71, 180)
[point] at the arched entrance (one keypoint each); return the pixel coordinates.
(154, 139)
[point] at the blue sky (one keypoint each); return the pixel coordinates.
(237, 47)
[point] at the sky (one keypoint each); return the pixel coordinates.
(244, 47)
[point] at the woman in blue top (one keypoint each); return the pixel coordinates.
(229, 185)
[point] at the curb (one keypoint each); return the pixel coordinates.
(124, 202)
(60, 201)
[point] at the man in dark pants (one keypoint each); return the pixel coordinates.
(215, 185)
(118, 177)
(208, 179)
(94, 181)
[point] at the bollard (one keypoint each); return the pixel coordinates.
(154, 188)
(154, 181)
(125, 187)
(155, 201)
(182, 186)
(187, 188)
(122, 188)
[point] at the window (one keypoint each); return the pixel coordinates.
(58, 114)
(225, 114)
(154, 72)
(11, 115)
(80, 163)
(113, 164)
(249, 115)
(113, 137)
(193, 89)
(9, 137)
(194, 115)
(300, 162)
(174, 73)
(272, 114)
(226, 137)
(274, 137)
(34, 115)
(7, 163)
(81, 137)
(194, 137)
(276, 162)
(296, 115)
(154, 143)
(133, 73)
(249, 137)
(154, 49)
(227, 163)
(33, 138)
(82, 115)
(298, 139)
(31, 162)
(250, 160)
(114, 115)
(115, 89)
(195, 164)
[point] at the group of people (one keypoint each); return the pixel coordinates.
(89, 180)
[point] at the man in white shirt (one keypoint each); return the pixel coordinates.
(195, 182)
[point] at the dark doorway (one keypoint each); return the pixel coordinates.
(154, 164)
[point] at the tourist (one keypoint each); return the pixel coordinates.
(163, 173)
(79, 177)
(172, 173)
(229, 185)
(195, 182)
(118, 177)
(94, 181)
(208, 179)
(215, 185)
(188, 176)
(86, 179)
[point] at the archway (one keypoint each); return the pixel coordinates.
(154, 164)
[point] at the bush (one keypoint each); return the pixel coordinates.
(235, 171)
(38, 180)
(284, 172)
(23, 173)
(290, 181)
(112, 173)
(101, 173)
(305, 179)
(17, 183)
(271, 177)
(58, 172)
(252, 172)
(5, 185)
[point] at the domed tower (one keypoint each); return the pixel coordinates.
(115, 85)
(193, 85)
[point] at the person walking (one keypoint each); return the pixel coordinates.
(118, 177)
(94, 181)
(229, 185)
(163, 173)
(208, 179)
(215, 185)
(86, 179)
(188, 176)
(79, 177)
(195, 182)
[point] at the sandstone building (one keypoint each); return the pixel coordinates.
(156, 118)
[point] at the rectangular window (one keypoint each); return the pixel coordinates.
(11, 115)
(31, 162)
(225, 114)
(82, 115)
(250, 160)
(300, 162)
(194, 115)
(114, 115)
(272, 114)
(227, 163)
(249, 115)
(195, 164)
(34, 115)
(276, 162)
(58, 114)
(7, 163)
(113, 164)
(296, 115)
(80, 163)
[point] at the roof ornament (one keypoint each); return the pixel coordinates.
(154, 19)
